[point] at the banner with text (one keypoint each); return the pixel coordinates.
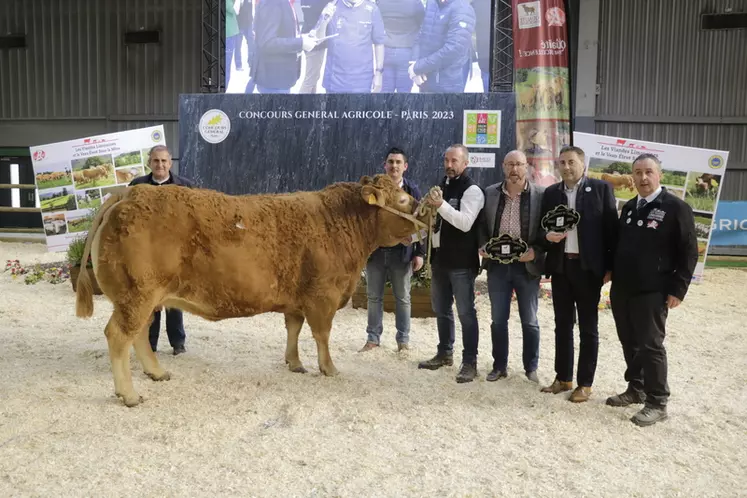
(691, 173)
(76, 176)
(730, 228)
(541, 85)
(246, 144)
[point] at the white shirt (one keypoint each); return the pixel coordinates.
(471, 203)
(571, 240)
(649, 198)
(162, 181)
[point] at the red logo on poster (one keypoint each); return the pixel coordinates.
(555, 17)
(39, 155)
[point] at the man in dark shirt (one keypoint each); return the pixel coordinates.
(654, 263)
(159, 161)
(402, 20)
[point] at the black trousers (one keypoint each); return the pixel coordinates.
(174, 328)
(640, 320)
(575, 289)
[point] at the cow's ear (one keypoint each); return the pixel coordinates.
(366, 180)
(373, 195)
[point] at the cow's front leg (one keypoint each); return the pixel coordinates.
(148, 358)
(321, 324)
(293, 323)
(119, 354)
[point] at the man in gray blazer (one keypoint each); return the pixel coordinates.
(513, 206)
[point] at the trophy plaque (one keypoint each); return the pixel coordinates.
(561, 219)
(505, 249)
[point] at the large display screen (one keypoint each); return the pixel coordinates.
(357, 46)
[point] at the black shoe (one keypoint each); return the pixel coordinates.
(532, 376)
(179, 350)
(438, 361)
(467, 373)
(629, 397)
(496, 374)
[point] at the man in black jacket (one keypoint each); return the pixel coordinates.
(579, 262)
(455, 263)
(398, 263)
(277, 55)
(402, 20)
(653, 267)
(159, 161)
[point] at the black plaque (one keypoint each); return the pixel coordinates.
(560, 219)
(505, 249)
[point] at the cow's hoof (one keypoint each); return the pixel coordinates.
(163, 376)
(299, 368)
(131, 400)
(329, 371)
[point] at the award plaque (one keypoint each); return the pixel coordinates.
(505, 249)
(561, 219)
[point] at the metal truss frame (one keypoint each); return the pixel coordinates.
(213, 41)
(502, 67)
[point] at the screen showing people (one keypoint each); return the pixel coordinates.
(357, 46)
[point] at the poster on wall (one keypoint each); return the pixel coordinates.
(338, 45)
(730, 228)
(76, 176)
(692, 174)
(541, 85)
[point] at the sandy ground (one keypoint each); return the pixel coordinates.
(233, 421)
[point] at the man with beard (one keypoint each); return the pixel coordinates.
(455, 263)
(159, 161)
(578, 262)
(398, 263)
(513, 207)
(653, 267)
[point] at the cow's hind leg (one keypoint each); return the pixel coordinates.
(293, 323)
(320, 322)
(119, 355)
(148, 358)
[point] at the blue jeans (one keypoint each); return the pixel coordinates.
(231, 43)
(448, 285)
(502, 281)
(385, 263)
(395, 76)
(174, 328)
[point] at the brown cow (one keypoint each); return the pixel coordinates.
(219, 256)
(619, 181)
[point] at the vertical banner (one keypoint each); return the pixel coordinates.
(541, 84)
(692, 174)
(74, 177)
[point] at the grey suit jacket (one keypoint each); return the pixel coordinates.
(493, 195)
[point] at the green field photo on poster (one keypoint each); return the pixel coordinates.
(128, 159)
(94, 171)
(88, 199)
(701, 191)
(619, 174)
(542, 93)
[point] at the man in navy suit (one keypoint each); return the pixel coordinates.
(579, 262)
(398, 263)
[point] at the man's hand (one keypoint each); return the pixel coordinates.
(607, 277)
(481, 252)
(435, 198)
(329, 10)
(555, 236)
(308, 42)
(672, 302)
(410, 72)
(378, 81)
(417, 263)
(527, 256)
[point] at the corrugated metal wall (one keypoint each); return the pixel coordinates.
(77, 77)
(664, 79)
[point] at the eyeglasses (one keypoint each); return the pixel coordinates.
(514, 165)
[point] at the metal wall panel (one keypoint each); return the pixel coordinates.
(76, 66)
(662, 78)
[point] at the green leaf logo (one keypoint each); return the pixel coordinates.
(215, 120)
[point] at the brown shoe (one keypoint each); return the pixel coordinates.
(368, 347)
(557, 387)
(580, 394)
(401, 346)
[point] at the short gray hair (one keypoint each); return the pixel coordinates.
(463, 148)
(645, 156)
(158, 148)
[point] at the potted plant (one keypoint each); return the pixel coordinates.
(75, 258)
(420, 295)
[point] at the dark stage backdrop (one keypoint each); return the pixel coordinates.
(270, 143)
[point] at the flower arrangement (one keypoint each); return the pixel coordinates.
(37, 273)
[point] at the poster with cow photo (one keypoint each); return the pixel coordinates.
(692, 174)
(73, 177)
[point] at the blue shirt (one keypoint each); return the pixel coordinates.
(349, 65)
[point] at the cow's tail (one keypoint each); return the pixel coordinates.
(84, 286)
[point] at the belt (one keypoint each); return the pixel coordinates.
(572, 255)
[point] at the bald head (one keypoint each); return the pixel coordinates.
(515, 169)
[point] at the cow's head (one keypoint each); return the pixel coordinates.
(398, 218)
